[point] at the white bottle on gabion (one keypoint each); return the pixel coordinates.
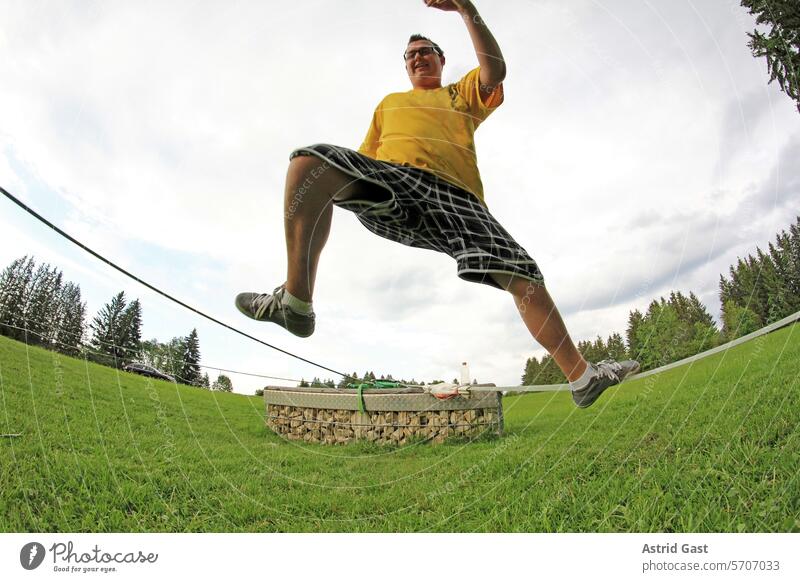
(464, 374)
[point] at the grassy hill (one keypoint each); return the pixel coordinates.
(710, 447)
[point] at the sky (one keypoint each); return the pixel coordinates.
(639, 150)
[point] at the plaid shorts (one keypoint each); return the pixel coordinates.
(419, 209)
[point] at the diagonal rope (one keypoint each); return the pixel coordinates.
(113, 265)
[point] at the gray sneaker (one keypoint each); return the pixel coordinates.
(608, 373)
(266, 307)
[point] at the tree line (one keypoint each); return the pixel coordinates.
(353, 378)
(38, 304)
(759, 290)
(39, 307)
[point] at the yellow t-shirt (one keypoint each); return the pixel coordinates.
(434, 129)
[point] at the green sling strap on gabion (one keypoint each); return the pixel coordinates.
(370, 384)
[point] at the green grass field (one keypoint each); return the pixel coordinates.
(711, 447)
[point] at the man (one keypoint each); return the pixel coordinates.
(415, 180)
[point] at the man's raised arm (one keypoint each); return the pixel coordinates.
(493, 66)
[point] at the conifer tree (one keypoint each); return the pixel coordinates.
(15, 282)
(780, 44)
(690, 309)
(593, 351)
(585, 348)
(673, 329)
(550, 373)
(42, 308)
(631, 335)
(615, 347)
(117, 331)
(129, 333)
(785, 285)
(658, 336)
(529, 373)
(738, 321)
(745, 288)
(190, 371)
(106, 327)
(71, 324)
(542, 373)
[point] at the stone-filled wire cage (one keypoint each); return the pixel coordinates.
(386, 415)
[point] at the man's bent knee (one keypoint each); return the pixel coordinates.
(517, 286)
(304, 171)
(310, 175)
(506, 281)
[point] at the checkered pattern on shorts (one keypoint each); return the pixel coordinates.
(419, 209)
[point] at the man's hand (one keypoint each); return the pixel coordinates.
(490, 59)
(448, 5)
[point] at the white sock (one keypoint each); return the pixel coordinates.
(583, 381)
(297, 305)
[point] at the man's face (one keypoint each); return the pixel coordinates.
(424, 70)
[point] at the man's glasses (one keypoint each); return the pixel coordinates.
(422, 51)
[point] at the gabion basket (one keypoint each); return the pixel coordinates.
(394, 415)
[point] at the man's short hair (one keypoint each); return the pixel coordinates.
(436, 47)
